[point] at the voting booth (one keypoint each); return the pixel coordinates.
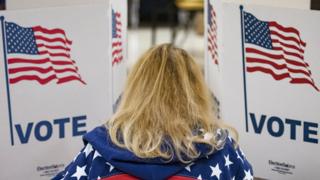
(263, 65)
(62, 71)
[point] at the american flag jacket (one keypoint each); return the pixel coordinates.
(101, 159)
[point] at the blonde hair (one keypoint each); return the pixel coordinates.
(166, 107)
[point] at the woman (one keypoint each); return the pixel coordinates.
(164, 128)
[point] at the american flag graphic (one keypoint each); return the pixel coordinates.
(117, 55)
(276, 50)
(39, 54)
(212, 33)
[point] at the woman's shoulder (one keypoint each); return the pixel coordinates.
(99, 133)
(228, 148)
(228, 161)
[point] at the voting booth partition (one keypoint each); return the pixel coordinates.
(263, 65)
(61, 73)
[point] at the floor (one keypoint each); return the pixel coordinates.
(139, 40)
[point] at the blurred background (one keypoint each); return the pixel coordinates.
(181, 22)
(163, 21)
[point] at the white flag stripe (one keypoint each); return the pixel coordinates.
(43, 75)
(20, 65)
(276, 71)
(39, 57)
(116, 50)
(276, 61)
(279, 71)
(273, 52)
(43, 66)
(33, 73)
(117, 56)
(66, 74)
(274, 37)
(55, 43)
(212, 46)
(280, 63)
(285, 34)
(212, 42)
(53, 50)
(288, 41)
(290, 50)
(51, 36)
(259, 56)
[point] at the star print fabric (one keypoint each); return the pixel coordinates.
(88, 164)
(100, 159)
(228, 163)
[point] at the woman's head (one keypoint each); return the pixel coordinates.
(165, 102)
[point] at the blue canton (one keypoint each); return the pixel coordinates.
(114, 24)
(257, 32)
(20, 40)
(209, 14)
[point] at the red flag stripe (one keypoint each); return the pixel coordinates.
(40, 70)
(289, 46)
(287, 38)
(118, 14)
(276, 57)
(213, 43)
(304, 81)
(279, 48)
(269, 71)
(212, 35)
(40, 45)
(116, 51)
(116, 43)
(51, 31)
(117, 60)
(282, 76)
(41, 61)
(54, 54)
(119, 23)
(52, 40)
(42, 81)
(287, 30)
(70, 78)
(213, 50)
(278, 66)
(213, 13)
